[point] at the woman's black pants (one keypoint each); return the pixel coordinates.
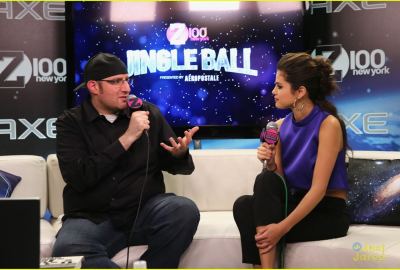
(329, 219)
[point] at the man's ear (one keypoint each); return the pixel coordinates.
(93, 87)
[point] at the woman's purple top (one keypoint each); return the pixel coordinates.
(299, 141)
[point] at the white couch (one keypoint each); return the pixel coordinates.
(220, 177)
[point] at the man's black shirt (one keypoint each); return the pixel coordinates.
(103, 180)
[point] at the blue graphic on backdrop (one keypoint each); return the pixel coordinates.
(374, 127)
(374, 191)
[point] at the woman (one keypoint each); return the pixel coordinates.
(310, 155)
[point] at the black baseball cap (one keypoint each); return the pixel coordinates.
(101, 66)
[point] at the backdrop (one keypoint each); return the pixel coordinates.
(32, 75)
(359, 37)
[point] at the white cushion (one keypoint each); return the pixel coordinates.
(374, 154)
(47, 238)
(32, 170)
(216, 243)
(56, 186)
(219, 178)
(340, 252)
(217, 224)
(134, 254)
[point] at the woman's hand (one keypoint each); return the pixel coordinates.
(266, 152)
(268, 236)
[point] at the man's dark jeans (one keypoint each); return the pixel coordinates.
(166, 223)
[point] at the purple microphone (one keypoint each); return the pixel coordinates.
(270, 133)
(134, 102)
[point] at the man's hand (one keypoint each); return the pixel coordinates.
(178, 149)
(138, 123)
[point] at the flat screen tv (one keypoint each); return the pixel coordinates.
(209, 64)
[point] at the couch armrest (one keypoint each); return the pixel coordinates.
(32, 170)
(56, 186)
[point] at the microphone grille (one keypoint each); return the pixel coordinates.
(270, 133)
(272, 125)
(134, 102)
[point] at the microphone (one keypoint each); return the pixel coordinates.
(270, 133)
(135, 104)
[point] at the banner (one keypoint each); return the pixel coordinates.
(361, 39)
(32, 75)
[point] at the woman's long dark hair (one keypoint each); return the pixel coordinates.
(316, 75)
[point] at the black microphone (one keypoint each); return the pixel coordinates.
(135, 104)
(270, 133)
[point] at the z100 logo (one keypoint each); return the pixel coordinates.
(198, 34)
(16, 69)
(178, 34)
(360, 63)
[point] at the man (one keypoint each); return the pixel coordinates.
(111, 158)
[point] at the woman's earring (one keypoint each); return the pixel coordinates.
(301, 107)
(295, 105)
